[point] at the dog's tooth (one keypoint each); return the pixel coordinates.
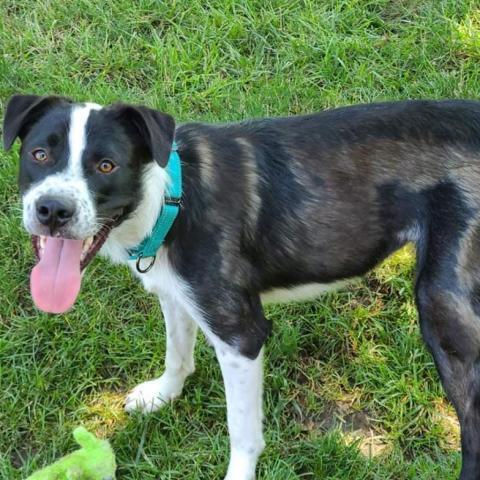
(43, 241)
(87, 244)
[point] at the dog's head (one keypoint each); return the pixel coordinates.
(80, 176)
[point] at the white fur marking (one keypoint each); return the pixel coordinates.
(77, 137)
(301, 293)
(207, 168)
(252, 178)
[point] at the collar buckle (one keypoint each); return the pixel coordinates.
(173, 201)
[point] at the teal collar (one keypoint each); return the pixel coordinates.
(149, 246)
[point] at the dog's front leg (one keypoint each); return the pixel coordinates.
(243, 388)
(179, 362)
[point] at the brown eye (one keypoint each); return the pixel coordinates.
(106, 166)
(39, 155)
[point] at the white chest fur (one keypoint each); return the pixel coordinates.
(162, 278)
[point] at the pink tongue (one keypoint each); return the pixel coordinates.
(55, 280)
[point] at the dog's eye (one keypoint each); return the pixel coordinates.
(106, 166)
(39, 155)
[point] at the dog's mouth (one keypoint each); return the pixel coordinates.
(90, 246)
(56, 279)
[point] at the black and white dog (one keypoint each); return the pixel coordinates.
(270, 208)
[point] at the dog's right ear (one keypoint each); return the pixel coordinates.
(22, 112)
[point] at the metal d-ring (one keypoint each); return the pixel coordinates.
(150, 265)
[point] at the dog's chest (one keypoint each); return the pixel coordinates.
(163, 280)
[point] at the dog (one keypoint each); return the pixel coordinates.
(270, 208)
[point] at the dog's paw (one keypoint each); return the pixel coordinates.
(239, 476)
(152, 395)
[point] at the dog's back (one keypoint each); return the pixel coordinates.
(324, 197)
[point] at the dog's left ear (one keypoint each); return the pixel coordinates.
(156, 130)
(22, 111)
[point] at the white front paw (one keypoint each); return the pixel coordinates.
(154, 394)
(239, 476)
(243, 461)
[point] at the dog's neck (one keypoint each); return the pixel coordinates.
(141, 222)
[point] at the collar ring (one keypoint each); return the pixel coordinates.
(148, 267)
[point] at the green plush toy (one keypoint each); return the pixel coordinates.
(94, 461)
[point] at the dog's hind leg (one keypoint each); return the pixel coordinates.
(179, 362)
(447, 294)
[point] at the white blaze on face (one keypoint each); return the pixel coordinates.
(77, 137)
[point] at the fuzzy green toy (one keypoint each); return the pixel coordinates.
(94, 461)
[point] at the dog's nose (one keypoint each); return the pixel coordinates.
(54, 213)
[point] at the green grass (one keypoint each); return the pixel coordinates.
(352, 361)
